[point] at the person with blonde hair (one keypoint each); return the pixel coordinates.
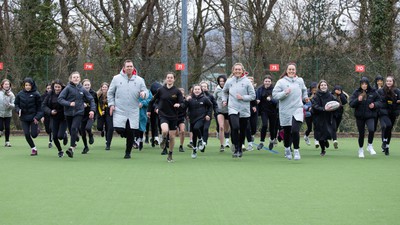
(238, 93)
(74, 98)
(291, 91)
(7, 99)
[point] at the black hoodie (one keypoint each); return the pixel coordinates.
(361, 108)
(29, 102)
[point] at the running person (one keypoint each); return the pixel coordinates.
(87, 122)
(7, 99)
(200, 111)
(28, 105)
(104, 120)
(366, 102)
(222, 117)
(390, 96)
(268, 111)
(55, 110)
(169, 98)
(291, 91)
(74, 98)
(238, 92)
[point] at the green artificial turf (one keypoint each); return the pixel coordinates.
(261, 188)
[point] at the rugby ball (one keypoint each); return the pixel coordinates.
(332, 105)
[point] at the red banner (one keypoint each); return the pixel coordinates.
(179, 66)
(274, 67)
(88, 66)
(1, 66)
(360, 68)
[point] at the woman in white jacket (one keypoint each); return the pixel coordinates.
(290, 90)
(7, 99)
(238, 92)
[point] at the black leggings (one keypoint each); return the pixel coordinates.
(86, 126)
(73, 123)
(129, 134)
(59, 126)
(292, 134)
(361, 130)
(197, 129)
(106, 122)
(155, 125)
(48, 126)
(238, 130)
(387, 123)
(30, 131)
(252, 126)
(206, 127)
(272, 120)
(309, 123)
(5, 125)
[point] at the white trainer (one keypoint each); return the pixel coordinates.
(307, 140)
(297, 154)
(360, 153)
(250, 146)
(288, 153)
(371, 150)
(316, 144)
(227, 145)
(200, 144)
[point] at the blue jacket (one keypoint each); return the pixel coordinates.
(143, 112)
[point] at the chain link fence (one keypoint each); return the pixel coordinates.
(45, 69)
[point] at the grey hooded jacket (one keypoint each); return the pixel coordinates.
(242, 86)
(290, 105)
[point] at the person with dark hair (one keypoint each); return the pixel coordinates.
(251, 129)
(46, 118)
(291, 92)
(323, 117)
(74, 98)
(222, 117)
(308, 111)
(366, 103)
(7, 105)
(341, 97)
(87, 122)
(169, 98)
(55, 110)
(378, 82)
(123, 101)
(154, 121)
(200, 110)
(28, 105)
(104, 119)
(388, 113)
(204, 87)
(267, 109)
(238, 93)
(181, 123)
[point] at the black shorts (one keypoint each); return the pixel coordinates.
(172, 123)
(181, 120)
(226, 116)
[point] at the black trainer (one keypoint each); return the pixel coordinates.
(271, 145)
(181, 149)
(60, 154)
(91, 139)
(107, 147)
(85, 150)
(146, 140)
(164, 151)
(140, 146)
(70, 152)
(260, 146)
(65, 139)
(127, 156)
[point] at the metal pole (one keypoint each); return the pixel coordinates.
(184, 50)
